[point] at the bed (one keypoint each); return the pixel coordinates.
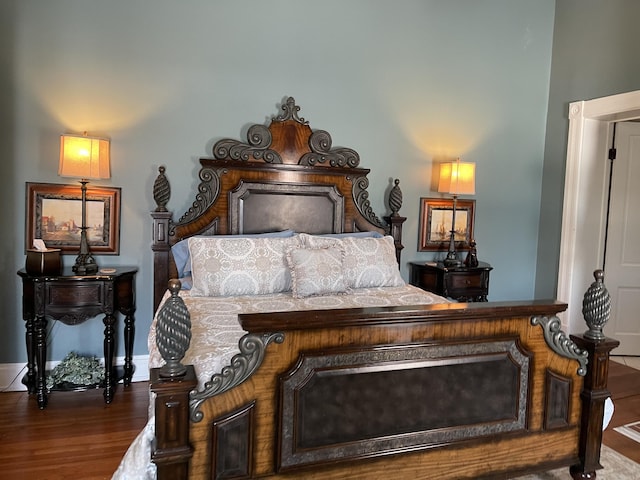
(365, 379)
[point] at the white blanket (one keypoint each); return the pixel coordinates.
(216, 332)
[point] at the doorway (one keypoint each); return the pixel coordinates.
(585, 197)
(622, 252)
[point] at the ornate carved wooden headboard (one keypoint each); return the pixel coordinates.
(285, 176)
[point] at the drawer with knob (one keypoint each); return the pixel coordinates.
(465, 284)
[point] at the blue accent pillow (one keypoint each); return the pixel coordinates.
(353, 234)
(182, 259)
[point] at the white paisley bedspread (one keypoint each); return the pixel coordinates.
(216, 332)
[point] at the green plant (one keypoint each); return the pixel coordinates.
(77, 370)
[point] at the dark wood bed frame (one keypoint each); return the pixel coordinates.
(454, 391)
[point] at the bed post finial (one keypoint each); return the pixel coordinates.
(596, 307)
(161, 191)
(395, 198)
(394, 220)
(173, 332)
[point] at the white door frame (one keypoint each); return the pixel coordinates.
(585, 196)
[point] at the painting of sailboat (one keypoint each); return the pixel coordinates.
(436, 222)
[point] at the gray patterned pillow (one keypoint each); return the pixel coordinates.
(316, 271)
(368, 262)
(239, 266)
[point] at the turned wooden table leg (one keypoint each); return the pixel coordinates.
(129, 333)
(30, 378)
(41, 360)
(109, 341)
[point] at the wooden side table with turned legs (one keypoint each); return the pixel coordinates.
(73, 299)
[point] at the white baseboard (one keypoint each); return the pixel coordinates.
(11, 373)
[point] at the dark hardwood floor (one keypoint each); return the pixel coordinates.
(79, 437)
(76, 437)
(624, 385)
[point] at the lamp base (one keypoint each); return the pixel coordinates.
(85, 265)
(451, 262)
(452, 258)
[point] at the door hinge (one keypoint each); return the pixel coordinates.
(612, 154)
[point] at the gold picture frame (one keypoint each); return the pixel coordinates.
(54, 214)
(435, 224)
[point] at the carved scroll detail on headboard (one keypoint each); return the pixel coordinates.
(258, 142)
(290, 110)
(361, 199)
(320, 144)
(208, 192)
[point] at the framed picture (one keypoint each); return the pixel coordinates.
(436, 215)
(54, 214)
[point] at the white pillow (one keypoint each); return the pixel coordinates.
(180, 251)
(368, 262)
(316, 271)
(239, 266)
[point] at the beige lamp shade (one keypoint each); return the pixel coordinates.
(84, 157)
(457, 178)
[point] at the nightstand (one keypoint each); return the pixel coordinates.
(465, 284)
(73, 299)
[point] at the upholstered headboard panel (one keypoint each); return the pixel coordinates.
(263, 207)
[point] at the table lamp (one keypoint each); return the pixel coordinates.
(86, 158)
(456, 178)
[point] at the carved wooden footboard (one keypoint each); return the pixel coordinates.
(446, 391)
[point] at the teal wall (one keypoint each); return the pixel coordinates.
(403, 83)
(595, 54)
